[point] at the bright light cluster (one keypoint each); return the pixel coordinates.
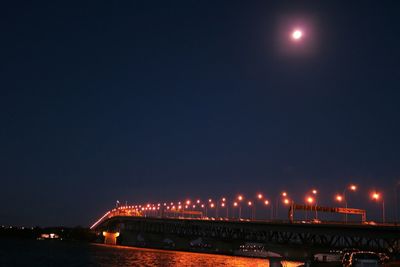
(197, 208)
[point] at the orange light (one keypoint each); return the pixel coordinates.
(310, 200)
(235, 204)
(284, 194)
(194, 206)
(212, 205)
(240, 197)
(210, 200)
(223, 205)
(198, 201)
(187, 202)
(223, 199)
(286, 201)
(375, 196)
(202, 205)
(260, 196)
(249, 203)
(339, 198)
(266, 202)
(353, 187)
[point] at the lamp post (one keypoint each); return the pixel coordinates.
(266, 203)
(235, 204)
(283, 195)
(376, 197)
(310, 200)
(351, 187)
(396, 202)
(223, 205)
(212, 205)
(250, 204)
(260, 198)
(315, 192)
(240, 198)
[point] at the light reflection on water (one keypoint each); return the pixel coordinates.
(127, 256)
(14, 252)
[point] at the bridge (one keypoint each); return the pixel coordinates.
(191, 231)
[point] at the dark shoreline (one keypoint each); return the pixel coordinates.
(62, 233)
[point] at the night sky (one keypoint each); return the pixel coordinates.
(164, 100)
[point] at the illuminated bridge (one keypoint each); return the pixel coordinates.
(190, 230)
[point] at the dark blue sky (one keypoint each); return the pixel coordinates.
(154, 100)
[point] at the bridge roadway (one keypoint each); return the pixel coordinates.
(291, 240)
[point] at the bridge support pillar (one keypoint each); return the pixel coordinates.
(110, 238)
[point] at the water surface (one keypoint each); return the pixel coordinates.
(60, 254)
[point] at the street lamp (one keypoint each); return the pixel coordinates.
(353, 188)
(266, 203)
(309, 201)
(396, 202)
(235, 204)
(315, 192)
(240, 198)
(204, 207)
(376, 197)
(283, 195)
(223, 205)
(250, 204)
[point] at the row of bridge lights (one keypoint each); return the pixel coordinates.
(311, 199)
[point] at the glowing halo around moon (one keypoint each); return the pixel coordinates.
(297, 34)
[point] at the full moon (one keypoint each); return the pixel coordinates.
(297, 34)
